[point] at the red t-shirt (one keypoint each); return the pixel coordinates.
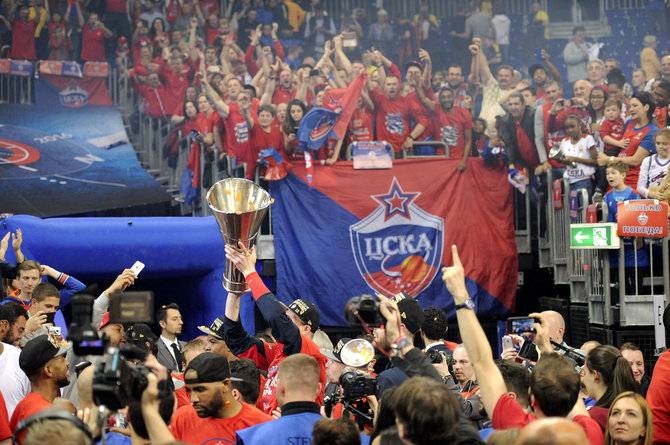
(237, 141)
(175, 85)
(93, 44)
(640, 137)
(208, 7)
(118, 6)
(526, 148)
(612, 129)
(361, 128)
(260, 140)
(187, 426)
(31, 404)
(658, 397)
(282, 96)
(660, 114)
(449, 128)
(23, 39)
(429, 130)
(5, 431)
(393, 117)
(509, 414)
(183, 399)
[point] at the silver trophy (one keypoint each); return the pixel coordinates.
(557, 155)
(239, 207)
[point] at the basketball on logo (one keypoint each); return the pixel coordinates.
(413, 269)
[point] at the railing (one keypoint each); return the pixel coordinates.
(625, 4)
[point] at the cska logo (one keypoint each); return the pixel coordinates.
(398, 247)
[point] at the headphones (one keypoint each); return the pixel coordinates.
(48, 414)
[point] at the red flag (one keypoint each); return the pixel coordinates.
(344, 100)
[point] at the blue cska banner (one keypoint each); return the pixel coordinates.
(390, 231)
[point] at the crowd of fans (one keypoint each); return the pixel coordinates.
(240, 79)
(398, 381)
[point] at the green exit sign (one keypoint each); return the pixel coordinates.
(594, 236)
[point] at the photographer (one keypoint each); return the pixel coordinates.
(43, 306)
(413, 363)
(554, 384)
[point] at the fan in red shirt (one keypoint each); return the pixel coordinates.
(236, 117)
(156, 102)
(554, 383)
(23, 35)
(393, 114)
(176, 76)
(294, 326)
(265, 134)
(418, 78)
(93, 37)
(45, 365)
(453, 126)
(214, 414)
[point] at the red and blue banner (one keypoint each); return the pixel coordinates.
(61, 84)
(358, 232)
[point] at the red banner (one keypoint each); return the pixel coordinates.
(644, 218)
(5, 66)
(96, 69)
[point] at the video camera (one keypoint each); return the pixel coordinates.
(115, 382)
(364, 308)
(356, 385)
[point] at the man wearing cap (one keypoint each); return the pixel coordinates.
(215, 339)
(541, 76)
(45, 364)
(214, 413)
(292, 326)
(411, 316)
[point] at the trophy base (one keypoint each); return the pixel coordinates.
(235, 286)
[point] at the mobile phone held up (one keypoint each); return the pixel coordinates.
(137, 268)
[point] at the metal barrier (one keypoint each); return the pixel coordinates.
(558, 214)
(598, 280)
(577, 258)
(545, 224)
(409, 154)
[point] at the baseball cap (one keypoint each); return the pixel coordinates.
(140, 332)
(410, 311)
(140, 71)
(535, 67)
(122, 39)
(306, 312)
(215, 330)
(105, 320)
(209, 367)
(413, 63)
(38, 351)
(336, 352)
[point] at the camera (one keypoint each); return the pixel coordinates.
(115, 382)
(529, 351)
(85, 339)
(364, 308)
(435, 356)
(357, 384)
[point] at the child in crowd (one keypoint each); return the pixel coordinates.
(60, 45)
(654, 168)
(580, 155)
(616, 175)
(611, 132)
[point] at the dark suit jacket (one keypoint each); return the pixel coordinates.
(164, 355)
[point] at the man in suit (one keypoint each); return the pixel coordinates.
(169, 347)
(433, 329)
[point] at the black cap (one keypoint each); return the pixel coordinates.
(215, 330)
(535, 67)
(336, 353)
(140, 332)
(410, 311)
(306, 312)
(209, 367)
(413, 63)
(38, 351)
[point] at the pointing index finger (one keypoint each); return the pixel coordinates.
(454, 255)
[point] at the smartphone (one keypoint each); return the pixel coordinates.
(50, 317)
(538, 54)
(349, 40)
(507, 342)
(137, 268)
(521, 325)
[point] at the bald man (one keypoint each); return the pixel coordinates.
(552, 431)
(557, 331)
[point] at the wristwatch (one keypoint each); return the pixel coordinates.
(467, 304)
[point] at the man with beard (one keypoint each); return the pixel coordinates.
(453, 125)
(12, 323)
(214, 413)
(44, 362)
